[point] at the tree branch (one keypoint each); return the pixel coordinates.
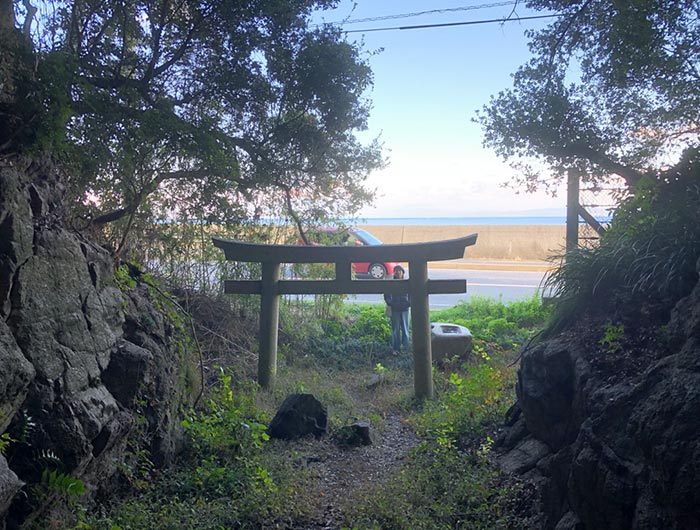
(31, 12)
(295, 217)
(149, 188)
(631, 175)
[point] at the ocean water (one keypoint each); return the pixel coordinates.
(445, 221)
(456, 221)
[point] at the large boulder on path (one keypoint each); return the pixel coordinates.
(298, 416)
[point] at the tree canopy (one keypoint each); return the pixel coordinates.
(613, 88)
(195, 107)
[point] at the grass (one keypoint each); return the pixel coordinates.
(439, 489)
(234, 477)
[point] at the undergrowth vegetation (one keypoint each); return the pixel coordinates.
(233, 476)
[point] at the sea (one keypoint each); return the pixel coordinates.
(445, 221)
(456, 221)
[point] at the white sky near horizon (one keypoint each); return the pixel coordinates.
(428, 85)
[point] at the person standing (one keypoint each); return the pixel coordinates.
(399, 304)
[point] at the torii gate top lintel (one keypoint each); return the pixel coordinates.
(266, 253)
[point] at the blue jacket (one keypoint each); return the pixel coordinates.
(398, 302)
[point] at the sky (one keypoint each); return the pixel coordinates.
(428, 85)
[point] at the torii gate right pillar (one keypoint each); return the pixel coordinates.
(420, 328)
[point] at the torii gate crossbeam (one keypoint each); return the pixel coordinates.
(270, 288)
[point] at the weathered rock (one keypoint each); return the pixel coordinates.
(449, 340)
(61, 346)
(354, 435)
(16, 229)
(626, 446)
(9, 486)
(547, 379)
(515, 434)
(524, 456)
(374, 381)
(569, 522)
(126, 371)
(299, 415)
(167, 384)
(64, 323)
(16, 374)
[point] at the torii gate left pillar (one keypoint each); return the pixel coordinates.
(270, 288)
(269, 324)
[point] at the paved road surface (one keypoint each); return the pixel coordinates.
(504, 285)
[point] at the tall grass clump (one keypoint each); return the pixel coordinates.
(648, 256)
(441, 490)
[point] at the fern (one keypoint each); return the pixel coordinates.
(62, 484)
(5, 441)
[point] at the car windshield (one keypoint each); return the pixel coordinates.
(365, 236)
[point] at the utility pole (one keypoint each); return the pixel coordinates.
(572, 211)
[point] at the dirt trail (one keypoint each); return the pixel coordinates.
(339, 473)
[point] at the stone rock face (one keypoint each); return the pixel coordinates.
(298, 416)
(9, 485)
(354, 435)
(16, 373)
(616, 452)
(67, 368)
(166, 379)
(126, 371)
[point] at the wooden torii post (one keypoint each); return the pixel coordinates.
(270, 288)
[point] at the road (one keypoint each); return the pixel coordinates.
(504, 285)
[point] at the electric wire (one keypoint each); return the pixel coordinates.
(421, 13)
(449, 24)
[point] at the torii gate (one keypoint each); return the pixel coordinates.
(270, 287)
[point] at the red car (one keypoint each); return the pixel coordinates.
(357, 236)
(376, 271)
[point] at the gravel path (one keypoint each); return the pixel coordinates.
(338, 473)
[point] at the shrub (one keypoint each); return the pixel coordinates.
(353, 333)
(496, 325)
(468, 406)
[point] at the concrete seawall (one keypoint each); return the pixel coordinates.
(496, 242)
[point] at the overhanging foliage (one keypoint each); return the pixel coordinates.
(195, 108)
(612, 89)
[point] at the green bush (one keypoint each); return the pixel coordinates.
(346, 340)
(371, 325)
(469, 405)
(493, 324)
(230, 477)
(230, 426)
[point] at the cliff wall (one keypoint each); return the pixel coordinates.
(79, 360)
(606, 425)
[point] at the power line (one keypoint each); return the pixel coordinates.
(421, 13)
(448, 24)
